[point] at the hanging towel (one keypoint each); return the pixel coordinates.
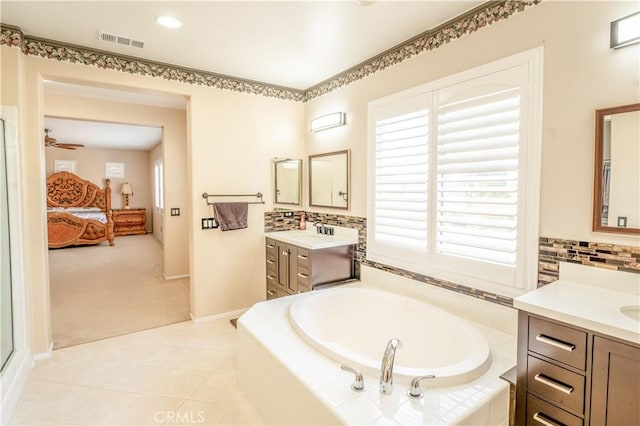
(231, 216)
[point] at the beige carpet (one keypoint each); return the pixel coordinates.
(102, 291)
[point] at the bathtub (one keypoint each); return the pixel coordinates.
(353, 325)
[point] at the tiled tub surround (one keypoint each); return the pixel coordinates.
(270, 353)
(551, 252)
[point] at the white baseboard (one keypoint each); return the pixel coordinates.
(175, 277)
(11, 392)
(224, 315)
(44, 355)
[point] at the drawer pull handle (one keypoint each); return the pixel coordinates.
(546, 421)
(285, 253)
(303, 257)
(271, 292)
(301, 275)
(270, 277)
(553, 384)
(270, 245)
(555, 343)
(271, 261)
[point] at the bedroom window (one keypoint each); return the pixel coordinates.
(454, 176)
(158, 185)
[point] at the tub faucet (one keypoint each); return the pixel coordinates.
(386, 371)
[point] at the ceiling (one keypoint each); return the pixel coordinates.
(295, 44)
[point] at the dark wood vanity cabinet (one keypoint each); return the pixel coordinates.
(572, 376)
(292, 269)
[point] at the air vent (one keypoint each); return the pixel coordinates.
(119, 39)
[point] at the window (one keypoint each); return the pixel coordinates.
(454, 176)
(158, 186)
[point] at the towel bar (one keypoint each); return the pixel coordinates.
(257, 195)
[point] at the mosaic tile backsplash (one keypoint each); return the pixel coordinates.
(551, 252)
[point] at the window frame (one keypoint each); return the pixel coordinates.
(528, 182)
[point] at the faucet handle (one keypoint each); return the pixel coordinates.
(358, 384)
(415, 391)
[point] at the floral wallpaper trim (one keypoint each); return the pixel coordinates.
(49, 49)
(484, 15)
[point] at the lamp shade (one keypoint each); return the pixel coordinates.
(126, 189)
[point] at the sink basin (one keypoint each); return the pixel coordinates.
(632, 311)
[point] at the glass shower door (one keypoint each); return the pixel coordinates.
(6, 307)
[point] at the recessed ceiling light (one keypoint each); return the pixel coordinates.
(168, 21)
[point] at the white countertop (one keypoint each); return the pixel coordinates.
(589, 306)
(311, 240)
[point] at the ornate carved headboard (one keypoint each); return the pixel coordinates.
(66, 190)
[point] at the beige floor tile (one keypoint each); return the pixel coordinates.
(170, 356)
(219, 387)
(134, 378)
(101, 408)
(179, 383)
(241, 414)
(198, 413)
(30, 421)
(54, 403)
(149, 410)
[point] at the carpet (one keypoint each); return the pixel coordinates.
(101, 291)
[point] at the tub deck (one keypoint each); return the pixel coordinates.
(290, 383)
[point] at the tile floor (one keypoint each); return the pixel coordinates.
(183, 373)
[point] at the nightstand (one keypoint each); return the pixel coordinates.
(129, 221)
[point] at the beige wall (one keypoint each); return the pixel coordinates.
(581, 74)
(230, 140)
(90, 166)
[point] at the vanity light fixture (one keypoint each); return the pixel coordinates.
(168, 21)
(328, 121)
(625, 31)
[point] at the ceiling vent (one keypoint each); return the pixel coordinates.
(119, 39)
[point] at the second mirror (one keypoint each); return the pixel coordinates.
(329, 180)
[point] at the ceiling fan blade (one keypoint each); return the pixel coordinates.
(64, 147)
(69, 145)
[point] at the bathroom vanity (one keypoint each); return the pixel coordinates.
(579, 355)
(299, 261)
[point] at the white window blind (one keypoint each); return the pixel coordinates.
(477, 177)
(158, 185)
(401, 160)
(453, 167)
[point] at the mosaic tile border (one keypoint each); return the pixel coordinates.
(551, 251)
(600, 255)
(50, 49)
(467, 23)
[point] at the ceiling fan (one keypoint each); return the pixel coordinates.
(53, 142)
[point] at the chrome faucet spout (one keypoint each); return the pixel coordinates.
(386, 370)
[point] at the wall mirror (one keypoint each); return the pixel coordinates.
(287, 181)
(330, 180)
(616, 206)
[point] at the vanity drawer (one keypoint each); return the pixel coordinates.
(561, 343)
(271, 265)
(303, 278)
(303, 257)
(556, 384)
(272, 292)
(270, 246)
(541, 413)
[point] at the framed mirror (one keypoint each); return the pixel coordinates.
(287, 181)
(330, 180)
(616, 198)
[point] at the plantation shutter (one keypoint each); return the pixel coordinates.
(401, 170)
(478, 140)
(158, 184)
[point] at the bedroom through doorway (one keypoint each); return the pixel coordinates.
(98, 290)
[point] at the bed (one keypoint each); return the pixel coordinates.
(78, 211)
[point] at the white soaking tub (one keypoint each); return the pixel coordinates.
(353, 325)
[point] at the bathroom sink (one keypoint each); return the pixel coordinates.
(311, 240)
(632, 311)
